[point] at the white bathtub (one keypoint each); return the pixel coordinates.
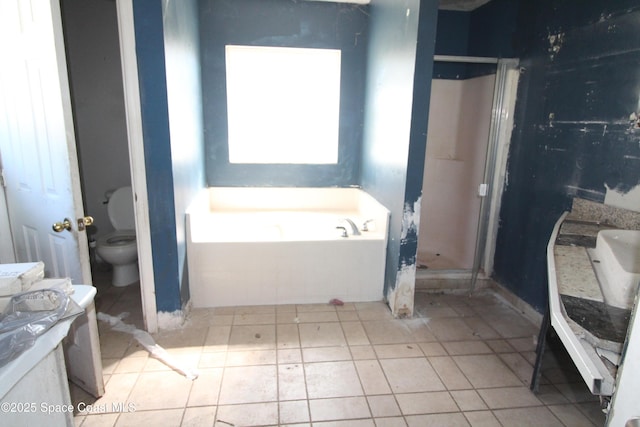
(257, 246)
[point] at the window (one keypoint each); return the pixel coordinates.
(283, 104)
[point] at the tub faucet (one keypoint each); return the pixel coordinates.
(344, 231)
(365, 227)
(354, 228)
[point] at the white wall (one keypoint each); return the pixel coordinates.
(91, 36)
(457, 138)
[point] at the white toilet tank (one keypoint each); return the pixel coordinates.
(120, 209)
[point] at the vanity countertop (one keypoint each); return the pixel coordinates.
(577, 281)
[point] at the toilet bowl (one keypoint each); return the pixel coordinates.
(119, 247)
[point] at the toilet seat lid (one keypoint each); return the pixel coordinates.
(120, 209)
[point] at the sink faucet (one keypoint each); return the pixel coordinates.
(354, 228)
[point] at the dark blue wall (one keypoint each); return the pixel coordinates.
(580, 82)
(488, 31)
(290, 24)
(157, 150)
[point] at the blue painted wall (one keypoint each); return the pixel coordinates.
(157, 149)
(184, 96)
(580, 82)
(395, 130)
(290, 24)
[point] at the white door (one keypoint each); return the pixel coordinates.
(37, 140)
(42, 180)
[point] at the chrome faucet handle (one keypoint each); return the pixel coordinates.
(364, 226)
(344, 231)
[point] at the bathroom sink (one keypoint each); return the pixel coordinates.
(616, 259)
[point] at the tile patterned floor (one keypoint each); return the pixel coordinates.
(462, 361)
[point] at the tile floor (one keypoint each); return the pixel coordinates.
(462, 361)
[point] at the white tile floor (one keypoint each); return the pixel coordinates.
(460, 362)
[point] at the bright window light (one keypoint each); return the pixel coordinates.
(283, 104)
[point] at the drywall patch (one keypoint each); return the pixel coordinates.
(171, 320)
(401, 297)
(411, 218)
(627, 200)
(555, 44)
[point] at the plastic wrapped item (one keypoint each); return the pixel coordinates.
(19, 277)
(63, 284)
(147, 342)
(29, 315)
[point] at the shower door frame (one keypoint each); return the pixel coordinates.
(503, 106)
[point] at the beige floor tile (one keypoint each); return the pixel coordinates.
(291, 382)
(437, 420)
(289, 355)
(384, 406)
(509, 397)
(432, 349)
(518, 365)
(468, 400)
(593, 411)
(130, 365)
(321, 335)
(511, 325)
(451, 329)
(344, 408)
(114, 344)
(449, 373)
(118, 390)
(217, 338)
(206, 388)
(550, 395)
(294, 411)
(254, 414)
(254, 309)
(201, 416)
(252, 337)
(457, 348)
(426, 403)
(390, 422)
(332, 379)
(524, 344)
(254, 319)
(393, 351)
(287, 336)
(527, 417)
(213, 360)
(252, 357)
(362, 352)
(317, 316)
(576, 392)
(249, 384)
(500, 346)
(346, 423)
(149, 392)
(482, 419)
(326, 354)
(306, 308)
(348, 316)
(170, 417)
(397, 331)
(372, 378)
(186, 339)
(411, 375)
(486, 371)
(480, 327)
(100, 420)
(354, 333)
(570, 415)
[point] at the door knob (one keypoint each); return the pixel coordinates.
(84, 222)
(59, 227)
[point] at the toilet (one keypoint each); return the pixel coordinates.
(119, 248)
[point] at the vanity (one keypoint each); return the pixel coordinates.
(593, 262)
